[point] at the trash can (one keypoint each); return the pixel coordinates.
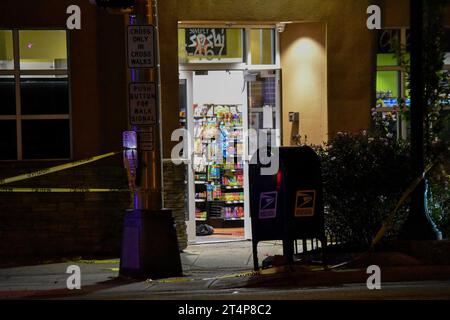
(287, 205)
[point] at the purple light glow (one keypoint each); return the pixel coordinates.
(136, 200)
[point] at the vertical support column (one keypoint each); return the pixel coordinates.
(418, 225)
(150, 247)
(17, 81)
(148, 195)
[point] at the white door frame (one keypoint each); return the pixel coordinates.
(190, 224)
(186, 71)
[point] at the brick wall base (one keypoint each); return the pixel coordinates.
(175, 196)
(39, 225)
(44, 225)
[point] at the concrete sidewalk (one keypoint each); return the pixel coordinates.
(211, 271)
(199, 262)
(221, 258)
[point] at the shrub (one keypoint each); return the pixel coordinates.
(438, 195)
(364, 175)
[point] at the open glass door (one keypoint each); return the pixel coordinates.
(264, 111)
(264, 117)
(185, 87)
(216, 117)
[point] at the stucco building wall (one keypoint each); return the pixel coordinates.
(99, 102)
(350, 51)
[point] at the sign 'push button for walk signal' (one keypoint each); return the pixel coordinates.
(305, 202)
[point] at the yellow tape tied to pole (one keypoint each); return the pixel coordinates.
(387, 224)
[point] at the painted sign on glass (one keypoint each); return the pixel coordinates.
(206, 42)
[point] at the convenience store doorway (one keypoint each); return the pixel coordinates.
(218, 107)
(216, 120)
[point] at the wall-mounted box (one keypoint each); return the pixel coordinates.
(294, 117)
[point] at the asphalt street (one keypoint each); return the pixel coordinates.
(426, 290)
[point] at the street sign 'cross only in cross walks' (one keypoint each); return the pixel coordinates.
(141, 46)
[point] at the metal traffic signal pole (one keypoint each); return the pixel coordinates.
(149, 246)
(148, 195)
(418, 225)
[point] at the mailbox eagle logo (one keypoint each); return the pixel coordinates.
(268, 205)
(305, 202)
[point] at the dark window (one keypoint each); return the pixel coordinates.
(45, 139)
(7, 96)
(40, 83)
(44, 95)
(8, 144)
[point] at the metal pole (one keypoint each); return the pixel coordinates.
(149, 246)
(148, 194)
(418, 225)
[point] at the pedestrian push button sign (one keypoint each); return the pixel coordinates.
(142, 103)
(305, 202)
(268, 205)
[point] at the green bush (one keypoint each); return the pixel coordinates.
(438, 197)
(364, 175)
(438, 182)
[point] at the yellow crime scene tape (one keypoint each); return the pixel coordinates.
(236, 275)
(186, 279)
(59, 190)
(61, 167)
(387, 224)
(54, 169)
(170, 280)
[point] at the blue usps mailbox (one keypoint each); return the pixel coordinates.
(287, 205)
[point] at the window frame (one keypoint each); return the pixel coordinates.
(397, 68)
(403, 42)
(17, 73)
(401, 125)
(247, 59)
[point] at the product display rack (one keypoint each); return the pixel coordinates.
(219, 176)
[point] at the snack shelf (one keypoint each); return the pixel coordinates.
(218, 165)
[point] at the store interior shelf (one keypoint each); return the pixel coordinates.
(204, 117)
(228, 219)
(218, 163)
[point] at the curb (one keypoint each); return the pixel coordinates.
(302, 278)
